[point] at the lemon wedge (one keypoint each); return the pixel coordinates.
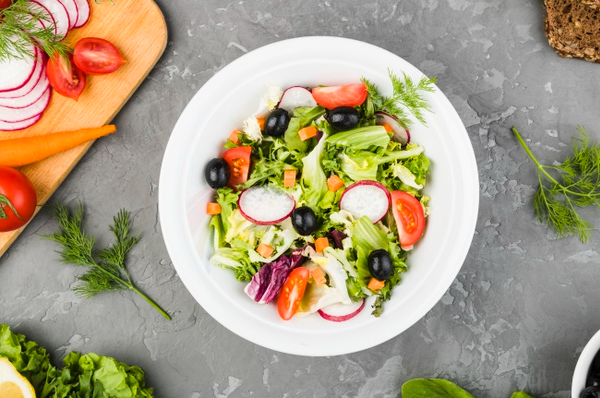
(12, 383)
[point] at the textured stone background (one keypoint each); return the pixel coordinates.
(516, 317)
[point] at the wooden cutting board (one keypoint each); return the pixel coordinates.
(138, 29)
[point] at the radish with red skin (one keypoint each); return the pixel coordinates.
(16, 73)
(29, 98)
(59, 14)
(72, 11)
(47, 17)
(39, 70)
(400, 134)
(83, 11)
(366, 198)
(4, 126)
(265, 205)
(13, 115)
(342, 312)
(295, 97)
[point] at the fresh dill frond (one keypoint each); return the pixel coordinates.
(21, 31)
(107, 269)
(572, 184)
(407, 98)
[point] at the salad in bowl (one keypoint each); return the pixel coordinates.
(319, 196)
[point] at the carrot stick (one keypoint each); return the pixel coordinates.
(21, 151)
(321, 244)
(375, 284)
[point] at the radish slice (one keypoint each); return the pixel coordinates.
(60, 15)
(72, 10)
(366, 198)
(401, 134)
(342, 312)
(39, 69)
(4, 126)
(83, 8)
(45, 16)
(295, 97)
(14, 115)
(266, 205)
(16, 73)
(29, 98)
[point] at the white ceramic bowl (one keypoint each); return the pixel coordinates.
(231, 96)
(583, 365)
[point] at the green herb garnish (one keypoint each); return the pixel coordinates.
(573, 183)
(20, 31)
(107, 266)
(407, 98)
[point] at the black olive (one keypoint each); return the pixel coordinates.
(593, 379)
(277, 122)
(380, 264)
(343, 118)
(217, 173)
(590, 392)
(304, 220)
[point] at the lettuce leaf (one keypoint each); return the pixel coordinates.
(314, 181)
(361, 138)
(302, 117)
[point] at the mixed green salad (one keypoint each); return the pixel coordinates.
(319, 196)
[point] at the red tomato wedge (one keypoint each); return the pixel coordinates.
(239, 164)
(96, 56)
(64, 77)
(346, 95)
(292, 292)
(410, 217)
(17, 199)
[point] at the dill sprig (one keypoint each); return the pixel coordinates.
(107, 266)
(20, 32)
(572, 184)
(406, 100)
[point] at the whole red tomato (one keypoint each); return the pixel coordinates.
(17, 199)
(4, 4)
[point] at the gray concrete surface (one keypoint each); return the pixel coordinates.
(517, 315)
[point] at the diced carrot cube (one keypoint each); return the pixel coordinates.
(321, 244)
(213, 208)
(265, 250)
(376, 284)
(334, 183)
(318, 276)
(289, 178)
(261, 122)
(235, 136)
(388, 127)
(307, 132)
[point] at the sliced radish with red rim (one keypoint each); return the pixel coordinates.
(295, 97)
(29, 98)
(72, 10)
(342, 312)
(14, 115)
(366, 198)
(83, 8)
(4, 126)
(400, 134)
(59, 14)
(39, 62)
(266, 205)
(16, 73)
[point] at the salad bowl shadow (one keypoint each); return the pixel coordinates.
(231, 96)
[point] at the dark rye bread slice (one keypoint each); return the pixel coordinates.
(573, 29)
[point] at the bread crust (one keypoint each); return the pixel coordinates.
(573, 28)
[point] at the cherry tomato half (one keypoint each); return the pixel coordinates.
(409, 216)
(239, 164)
(96, 56)
(292, 292)
(334, 96)
(17, 199)
(65, 78)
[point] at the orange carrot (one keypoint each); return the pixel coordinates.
(235, 136)
(16, 152)
(318, 276)
(265, 250)
(334, 183)
(213, 208)
(289, 178)
(307, 132)
(388, 127)
(376, 284)
(321, 244)
(261, 122)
